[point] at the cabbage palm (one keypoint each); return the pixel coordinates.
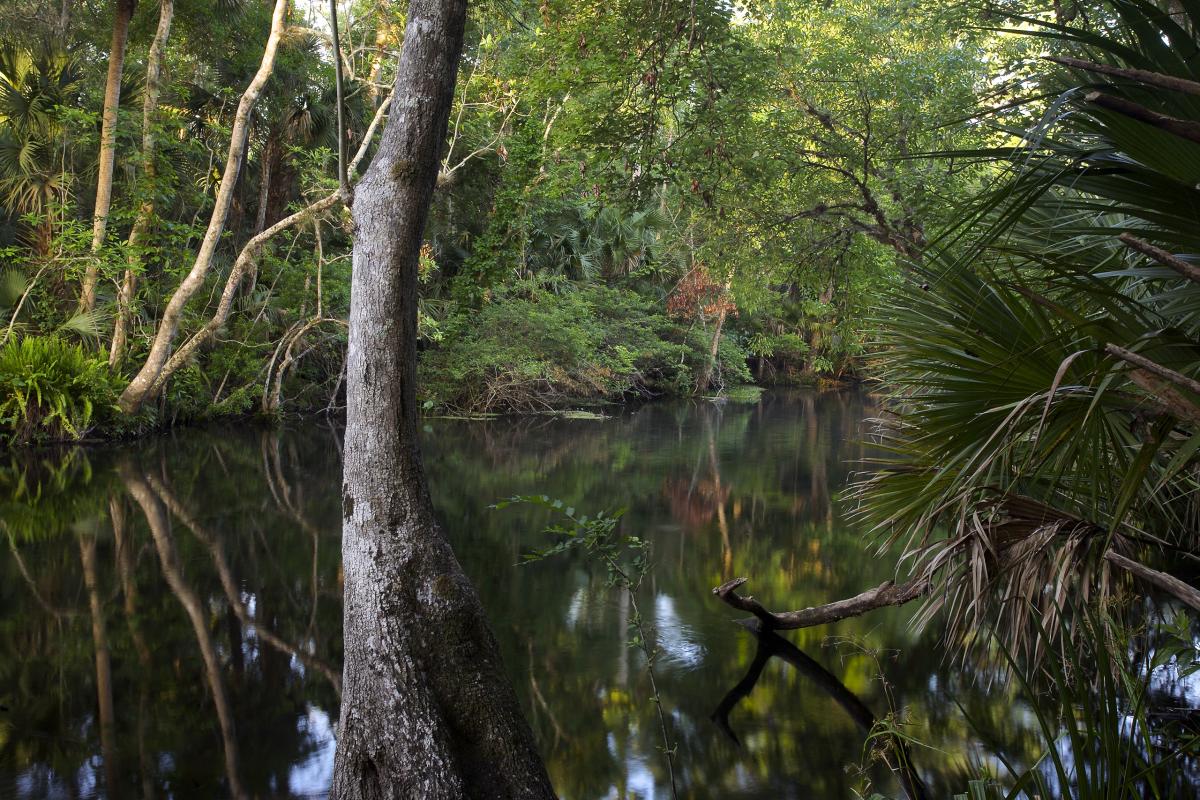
(33, 85)
(1043, 436)
(584, 242)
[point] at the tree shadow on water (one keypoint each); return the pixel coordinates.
(894, 752)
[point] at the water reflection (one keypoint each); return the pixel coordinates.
(170, 612)
(892, 749)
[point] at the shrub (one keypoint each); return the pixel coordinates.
(539, 349)
(51, 390)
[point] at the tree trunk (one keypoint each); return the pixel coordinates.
(122, 13)
(127, 571)
(382, 35)
(141, 225)
(715, 345)
(104, 686)
(140, 387)
(264, 182)
(427, 710)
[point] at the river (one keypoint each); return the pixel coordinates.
(218, 637)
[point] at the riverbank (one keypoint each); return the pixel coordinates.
(539, 352)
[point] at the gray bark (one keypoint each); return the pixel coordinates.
(141, 225)
(427, 711)
(140, 387)
(122, 14)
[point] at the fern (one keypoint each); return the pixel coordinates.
(51, 390)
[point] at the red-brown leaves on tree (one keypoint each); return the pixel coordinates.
(698, 295)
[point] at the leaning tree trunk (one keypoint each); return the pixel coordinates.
(122, 13)
(140, 388)
(714, 348)
(426, 708)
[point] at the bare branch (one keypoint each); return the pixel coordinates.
(1139, 75)
(244, 260)
(1189, 271)
(1167, 583)
(1184, 129)
(1151, 366)
(889, 593)
(369, 135)
(885, 594)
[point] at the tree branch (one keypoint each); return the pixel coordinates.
(1167, 583)
(244, 260)
(139, 388)
(343, 183)
(1154, 367)
(889, 593)
(1184, 129)
(1139, 75)
(885, 594)
(1189, 271)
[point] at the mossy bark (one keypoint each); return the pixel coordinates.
(426, 710)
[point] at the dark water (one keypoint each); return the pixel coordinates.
(206, 705)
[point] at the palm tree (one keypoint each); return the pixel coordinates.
(1043, 435)
(34, 84)
(584, 242)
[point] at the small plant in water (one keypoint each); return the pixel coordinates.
(889, 740)
(627, 561)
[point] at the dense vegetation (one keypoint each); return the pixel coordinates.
(990, 210)
(725, 205)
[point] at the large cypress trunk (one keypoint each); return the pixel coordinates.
(427, 711)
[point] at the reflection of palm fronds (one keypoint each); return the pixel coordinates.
(1020, 450)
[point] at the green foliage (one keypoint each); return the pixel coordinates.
(1024, 447)
(50, 494)
(35, 83)
(535, 349)
(626, 559)
(1100, 735)
(51, 390)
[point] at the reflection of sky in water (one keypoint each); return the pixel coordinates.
(1169, 679)
(675, 638)
(771, 469)
(575, 608)
(639, 779)
(312, 778)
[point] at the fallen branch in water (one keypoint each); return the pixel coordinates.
(885, 594)
(890, 593)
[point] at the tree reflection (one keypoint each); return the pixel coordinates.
(771, 645)
(160, 530)
(89, 708)
(104, 688)
(244, 595)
